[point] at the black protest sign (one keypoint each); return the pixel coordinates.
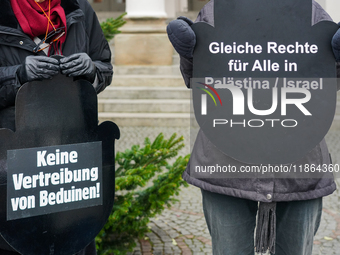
(56, 170)
(53, 179)
(264, 87)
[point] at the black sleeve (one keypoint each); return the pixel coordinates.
(9, 85)
(99, 48)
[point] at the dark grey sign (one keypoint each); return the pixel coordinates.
(53, 179)
(264, 86)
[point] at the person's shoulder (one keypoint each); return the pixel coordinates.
(208, 7)
(317, 7)
(82, 4)
(316, 4)
(319, 14)
(207, 13)
(70, 6)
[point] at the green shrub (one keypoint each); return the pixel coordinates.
(136, 201)
(110, 26)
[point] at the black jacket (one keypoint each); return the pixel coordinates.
(204, 153)
(84, 34)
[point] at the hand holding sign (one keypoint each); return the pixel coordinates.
(78, 64)
(37, 68)
(276, 90)
(182, 36)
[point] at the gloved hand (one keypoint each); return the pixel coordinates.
(37, 68)
(181, 36)
(78, 65)
(336, 45)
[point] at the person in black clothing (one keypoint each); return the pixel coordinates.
(34, 30)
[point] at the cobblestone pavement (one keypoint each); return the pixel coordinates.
(182, 229)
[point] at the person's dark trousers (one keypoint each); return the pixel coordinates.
(231, 222)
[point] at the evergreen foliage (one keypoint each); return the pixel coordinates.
(145, 184)
(110, 26)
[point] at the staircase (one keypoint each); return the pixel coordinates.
(146, 96)
(152, 97)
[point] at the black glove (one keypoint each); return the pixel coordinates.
(181, 36)
(37, 68)
(336, 45)
(78, 65)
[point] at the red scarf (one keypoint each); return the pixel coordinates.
(34, 22)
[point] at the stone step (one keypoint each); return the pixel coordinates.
(337, 109)
(145, 80)
(147, 119)
(176, 60)
(149, 70)
(119, 92)
(144, 105)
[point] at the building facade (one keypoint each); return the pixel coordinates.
(175, 7)
(171, 6)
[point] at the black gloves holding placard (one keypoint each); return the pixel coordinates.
(37, 68)
(41, 67)
(78, 65)
(181, 36)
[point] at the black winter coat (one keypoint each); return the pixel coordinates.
(258, 189)
(84, 34)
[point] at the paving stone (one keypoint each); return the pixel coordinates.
(186, 219)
